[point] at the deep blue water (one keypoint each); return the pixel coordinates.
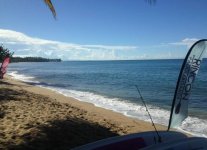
(156, 80)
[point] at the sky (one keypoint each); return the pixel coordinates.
(102, 29)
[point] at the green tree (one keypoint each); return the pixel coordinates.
(4, 52)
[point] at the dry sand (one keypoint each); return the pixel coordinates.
(37, 118)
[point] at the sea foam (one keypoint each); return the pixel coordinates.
(22, 77)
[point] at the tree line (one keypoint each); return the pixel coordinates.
(33, 59)
(5, 53)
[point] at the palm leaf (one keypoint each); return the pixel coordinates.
(49, 4)
(151, 1)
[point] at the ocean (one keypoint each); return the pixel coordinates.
(112, 85)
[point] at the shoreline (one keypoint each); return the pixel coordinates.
(31, 115)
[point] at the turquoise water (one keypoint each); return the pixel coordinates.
(111, 84)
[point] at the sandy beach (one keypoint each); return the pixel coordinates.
(32, 117)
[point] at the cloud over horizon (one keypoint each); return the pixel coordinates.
(24, 45)
(186, 42)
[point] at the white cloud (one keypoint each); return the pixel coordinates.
(24, 45)
(186, 42)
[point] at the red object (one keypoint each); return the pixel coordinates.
(4, 65)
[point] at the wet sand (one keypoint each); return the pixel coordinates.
(32, 117)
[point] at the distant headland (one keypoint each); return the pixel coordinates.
(33, 59)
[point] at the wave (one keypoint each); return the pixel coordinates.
(22, 77)
(118, 105)
(191, 125)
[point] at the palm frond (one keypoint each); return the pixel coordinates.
(151, 1)
(50, 5)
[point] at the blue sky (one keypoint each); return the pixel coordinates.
(102, 29)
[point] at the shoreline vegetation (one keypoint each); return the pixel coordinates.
(33, 59)
(32, 117)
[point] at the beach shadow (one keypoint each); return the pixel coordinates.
(5, 83)
(10, 84)
(7, 94)
(63, 134)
